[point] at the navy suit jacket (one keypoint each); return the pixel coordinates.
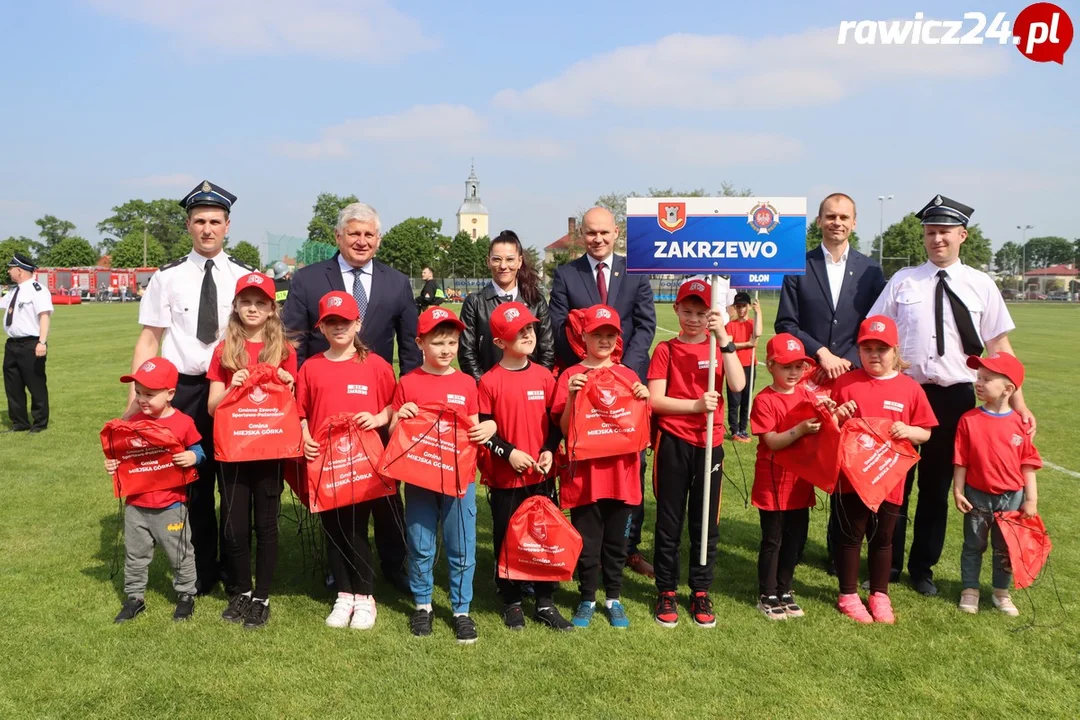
(391, 312)
(574, 288)
(806, 307)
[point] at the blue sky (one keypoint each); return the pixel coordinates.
(559, 102)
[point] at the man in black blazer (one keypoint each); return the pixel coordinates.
(597, 277)
(387, 312)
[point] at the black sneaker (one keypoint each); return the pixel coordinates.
(257, 615)
(701, 610)
(770, 607)
(237, 609)
(791, 608)
(666, 611)
(465, 629)
(185, 607)
(132, 607)
(551, 617)
(420, 623)
(513, 617)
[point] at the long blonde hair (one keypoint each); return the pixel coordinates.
(276, 345)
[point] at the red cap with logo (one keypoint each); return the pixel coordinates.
(508, 319)
(879, 327)
(1002, 363)
(435, 316)
(785, 349)
(340, 305)
(599, 316)
(695, 288)
(258, 281)
(156, 373)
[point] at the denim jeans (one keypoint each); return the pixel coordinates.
(424, 510)
(977, 524)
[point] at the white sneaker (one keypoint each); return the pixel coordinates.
(1003, 602)
(969, 601)
(343, 610)
(364, 613)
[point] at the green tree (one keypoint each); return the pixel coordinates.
(459, 258)
(532, 257)
(480, 257)
(70, 252)
(557, 259)
(312, 252)
(976, 251)
(410, 244)
(1008, 258)
(903, 244)
(52, 231)
(813, 237)
(128, 253)
(163, 219)
(14, 245)
(324, 217)
(247, 253)
(1046, 251)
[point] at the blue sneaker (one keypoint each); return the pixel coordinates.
(583, 614)
(617, 615)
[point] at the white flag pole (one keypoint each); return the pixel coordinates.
(717, 293)
(753, 364)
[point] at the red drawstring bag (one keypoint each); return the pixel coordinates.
(607, 419)
(485, 464)
(575, 324)
(432, 451)
(145, 451)
(1028, 542)
(814, 458)
(540, 544)
(872, 462)
(820, 389)
(257, 420)
(344, 471)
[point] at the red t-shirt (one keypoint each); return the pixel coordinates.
(685, 366)
(617, 477)
(742, 331)
(897, 398)
(456, 390)
(993, 448)
(774, 487)
(520, 401)
(183, 427)
(219, 372)
(325, 388)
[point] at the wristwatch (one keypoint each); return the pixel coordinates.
(42, 342)
(729, 348)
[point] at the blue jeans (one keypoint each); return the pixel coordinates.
(976, 527)
(424, 509)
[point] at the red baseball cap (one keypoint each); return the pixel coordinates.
(434, 316)
(156, 373)
(695, 288)
(508, 319)
(340, 305)
(785, 348)
(599, 316)
(879, 327)
(1002, 363)
(265, 283)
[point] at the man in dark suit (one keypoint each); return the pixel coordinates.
(597, 277)
(387, 312)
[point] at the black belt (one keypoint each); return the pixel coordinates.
(19, 340)
(183, 379)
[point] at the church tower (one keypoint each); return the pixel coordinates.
(472, 216)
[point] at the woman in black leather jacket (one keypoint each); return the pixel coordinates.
(511, 279)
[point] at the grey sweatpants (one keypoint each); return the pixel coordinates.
(167, 527)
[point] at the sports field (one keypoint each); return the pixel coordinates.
(66, 658)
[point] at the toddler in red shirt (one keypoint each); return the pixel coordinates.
(744, 332)
(993, 471)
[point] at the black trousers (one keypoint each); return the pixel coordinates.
(503, 503)
(738, 406)
(854, 522)
(245, 486)
(23, 371)
(783, 533)
(935, 468)
(679, 484)
(388, 514)
(192, 392)
(347, 533)
(604, 526)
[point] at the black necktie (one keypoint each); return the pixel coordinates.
(969, 338)
(11, 308)
(206, 330)
(506, 298)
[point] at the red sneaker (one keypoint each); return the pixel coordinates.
(666, 612)
(701, 610)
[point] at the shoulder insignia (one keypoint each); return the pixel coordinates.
(37, 286)
(244, 265)
(173, 264)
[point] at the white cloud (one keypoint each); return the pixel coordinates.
(683, 147)
(454, 128)
(701, 72)
(176, 180)
(364, 29)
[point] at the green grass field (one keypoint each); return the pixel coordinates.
(65, 658)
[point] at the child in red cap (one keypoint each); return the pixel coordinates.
(878, 390)
(994, 471)
(159, 517)
(744, 333)
(782, 498)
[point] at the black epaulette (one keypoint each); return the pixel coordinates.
(244, 265)
(36, 286)
(173, 264)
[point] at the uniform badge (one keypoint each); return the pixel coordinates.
(938, 201)
(763, 218)
(671, 216)
(206, 186)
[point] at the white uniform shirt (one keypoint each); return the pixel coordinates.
(909, 300)
(348, 277)
(34, 298)
(171, 301)
(499, 292)
(594, 263)
(835, 272)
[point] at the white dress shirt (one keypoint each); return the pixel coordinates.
(593, 263)
(32, 301)
(347, 276)
(835, 272)
(499, 292)
(171, 302)
(909, 300)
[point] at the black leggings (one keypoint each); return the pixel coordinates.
(783, 533)
(853, 520)
(504, 502)
(604, 526)
(347, 533)
(247, 486)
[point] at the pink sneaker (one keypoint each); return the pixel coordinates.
(881, 608)
(852, 606)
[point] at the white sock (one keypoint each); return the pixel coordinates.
(424, 607)
(247, 594)
(592, 603)
(461, 614)
(609, 602)
(264, 601)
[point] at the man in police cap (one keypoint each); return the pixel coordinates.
(944, 312)
(27, 310)
(185, 308)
